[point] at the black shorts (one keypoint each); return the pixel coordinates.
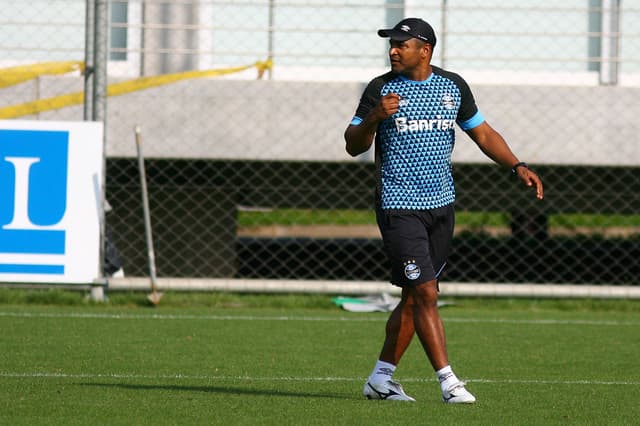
(417, 243)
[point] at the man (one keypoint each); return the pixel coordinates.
(410, 113)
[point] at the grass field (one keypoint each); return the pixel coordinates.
(291, 360)
(473, 219)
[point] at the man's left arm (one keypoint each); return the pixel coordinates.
(493, 145)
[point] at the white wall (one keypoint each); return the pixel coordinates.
(260, 120)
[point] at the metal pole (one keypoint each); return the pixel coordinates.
(394, 13)
(443, 34)
(99, 100)
(88, 59)
(154, 296)
(143, 35)
(272, 6)
(100, 56)
(609, 51)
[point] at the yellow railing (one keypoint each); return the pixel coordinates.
(16, 75)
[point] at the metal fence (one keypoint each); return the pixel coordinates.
(242, 106)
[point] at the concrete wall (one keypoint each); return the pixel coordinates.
(231, 119)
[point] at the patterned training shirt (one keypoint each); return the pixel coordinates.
(413, 147)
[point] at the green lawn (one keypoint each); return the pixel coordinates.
(278, 360)
(366, 217)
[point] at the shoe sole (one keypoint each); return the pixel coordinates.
(454, 401)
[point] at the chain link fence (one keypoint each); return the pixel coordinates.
(242, 106)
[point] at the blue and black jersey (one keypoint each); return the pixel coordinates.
(413, 147)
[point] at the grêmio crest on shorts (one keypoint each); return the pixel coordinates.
(413, 147)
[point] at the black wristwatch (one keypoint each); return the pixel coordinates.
(514, 169)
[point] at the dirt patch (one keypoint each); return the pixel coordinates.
(371, 231)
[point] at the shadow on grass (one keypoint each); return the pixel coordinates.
(216, 389)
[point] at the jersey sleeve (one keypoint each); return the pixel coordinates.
(469, 116)
(369, 99)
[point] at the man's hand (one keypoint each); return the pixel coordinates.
(388, 105)
(359, 138)
(530, 178)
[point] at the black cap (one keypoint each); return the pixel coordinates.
(410, 28)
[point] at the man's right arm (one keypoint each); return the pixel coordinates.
(359, 137)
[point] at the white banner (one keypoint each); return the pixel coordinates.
(50, 201)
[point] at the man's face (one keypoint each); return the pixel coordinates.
(405, 56)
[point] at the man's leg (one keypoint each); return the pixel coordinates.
(398, 334)
(430, 331)
(427, 323)
(399, 330)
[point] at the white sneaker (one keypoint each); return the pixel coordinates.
(457, 394)
(387, 390)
